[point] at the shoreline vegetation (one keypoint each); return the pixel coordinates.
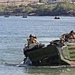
(60, 9)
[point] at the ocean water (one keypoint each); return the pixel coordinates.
(13, 34)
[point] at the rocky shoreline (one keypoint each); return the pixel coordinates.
(38, 14)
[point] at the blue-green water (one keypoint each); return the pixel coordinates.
(13, 34)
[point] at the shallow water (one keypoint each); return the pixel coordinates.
(13, 34)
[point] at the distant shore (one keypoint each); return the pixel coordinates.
(60, 9)
(35, 14)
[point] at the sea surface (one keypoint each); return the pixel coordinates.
(14, 31)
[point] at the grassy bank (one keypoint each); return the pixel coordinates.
(65, 9)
